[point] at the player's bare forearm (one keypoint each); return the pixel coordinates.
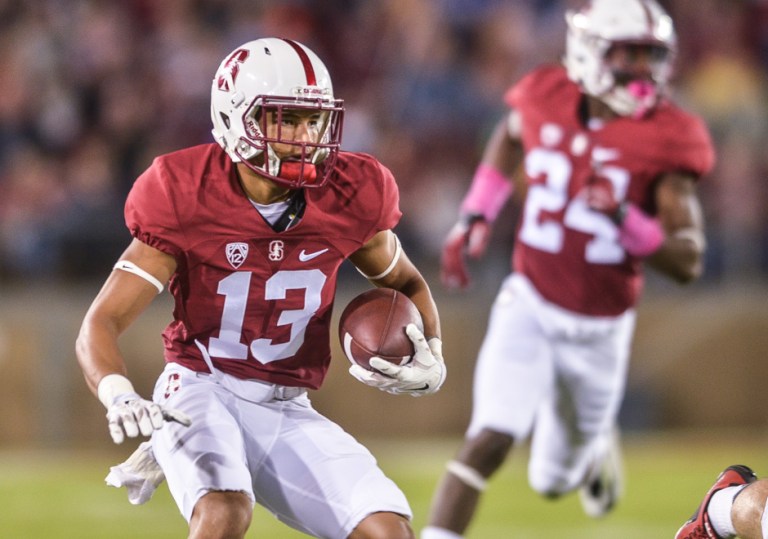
(384, 258)
(118, 304)
(679, 258)
(503, 150)
(97, 352)
(408, 280)
(681, 255)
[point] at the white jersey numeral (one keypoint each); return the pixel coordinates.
(547, 234)
(235, 289)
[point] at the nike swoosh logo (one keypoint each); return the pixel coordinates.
(306, 257)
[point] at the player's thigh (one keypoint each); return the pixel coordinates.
(514, 370)
(575, 424)
(593, 375)
(320, 480)
(559, 453)
(209, 455)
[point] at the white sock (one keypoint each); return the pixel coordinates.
(431, 532)
(719, 511)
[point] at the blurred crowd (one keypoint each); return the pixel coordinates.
(92, 90)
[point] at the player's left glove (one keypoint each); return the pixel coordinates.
(424, 375)
(140, 474)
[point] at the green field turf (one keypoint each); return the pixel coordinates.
(46, 495)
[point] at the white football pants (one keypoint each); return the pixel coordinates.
(554, 375)
(268, 442)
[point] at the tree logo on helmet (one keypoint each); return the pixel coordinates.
(229, 71)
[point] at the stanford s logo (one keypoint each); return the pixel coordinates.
(237, 252)
(276, 248)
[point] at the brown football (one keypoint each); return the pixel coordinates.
(373, 324)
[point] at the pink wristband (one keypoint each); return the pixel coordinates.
(640, 234)
(488, 193)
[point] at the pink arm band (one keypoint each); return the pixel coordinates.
(488, 193)
(640, 234)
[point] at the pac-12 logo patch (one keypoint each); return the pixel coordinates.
(276, 249)
(237, 252)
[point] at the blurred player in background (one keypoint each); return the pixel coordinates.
(610, 166)
(249, 233)
(735, 506)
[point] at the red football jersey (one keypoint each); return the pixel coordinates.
(569, 252)
(260, 301)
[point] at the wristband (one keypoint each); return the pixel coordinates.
(621, 213)
(111, 387)
(488, 193)
(640, 234)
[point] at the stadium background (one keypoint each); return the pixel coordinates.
(90, 91)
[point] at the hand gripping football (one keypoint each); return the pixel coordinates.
(373, 324)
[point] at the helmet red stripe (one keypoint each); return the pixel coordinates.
(305, 61)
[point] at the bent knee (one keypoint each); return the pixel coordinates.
(222, 514)
(550, 486)
(548, 490)
(383, 525)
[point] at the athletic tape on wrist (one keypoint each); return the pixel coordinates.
(468, 476)
(111, 386)
(398, 252)
(487, 194)
(130, 267)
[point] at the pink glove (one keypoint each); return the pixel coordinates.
(487, 194)
(472, 235)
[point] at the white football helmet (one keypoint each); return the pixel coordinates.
(594, 29)
(265, 77)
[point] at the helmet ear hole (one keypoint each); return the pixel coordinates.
(225, 119)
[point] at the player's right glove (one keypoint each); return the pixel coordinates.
(130, 415)
(424, 374)
(470, 235)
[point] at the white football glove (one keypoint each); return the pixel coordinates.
(422, 376)
(140, 474)
(130, 415)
